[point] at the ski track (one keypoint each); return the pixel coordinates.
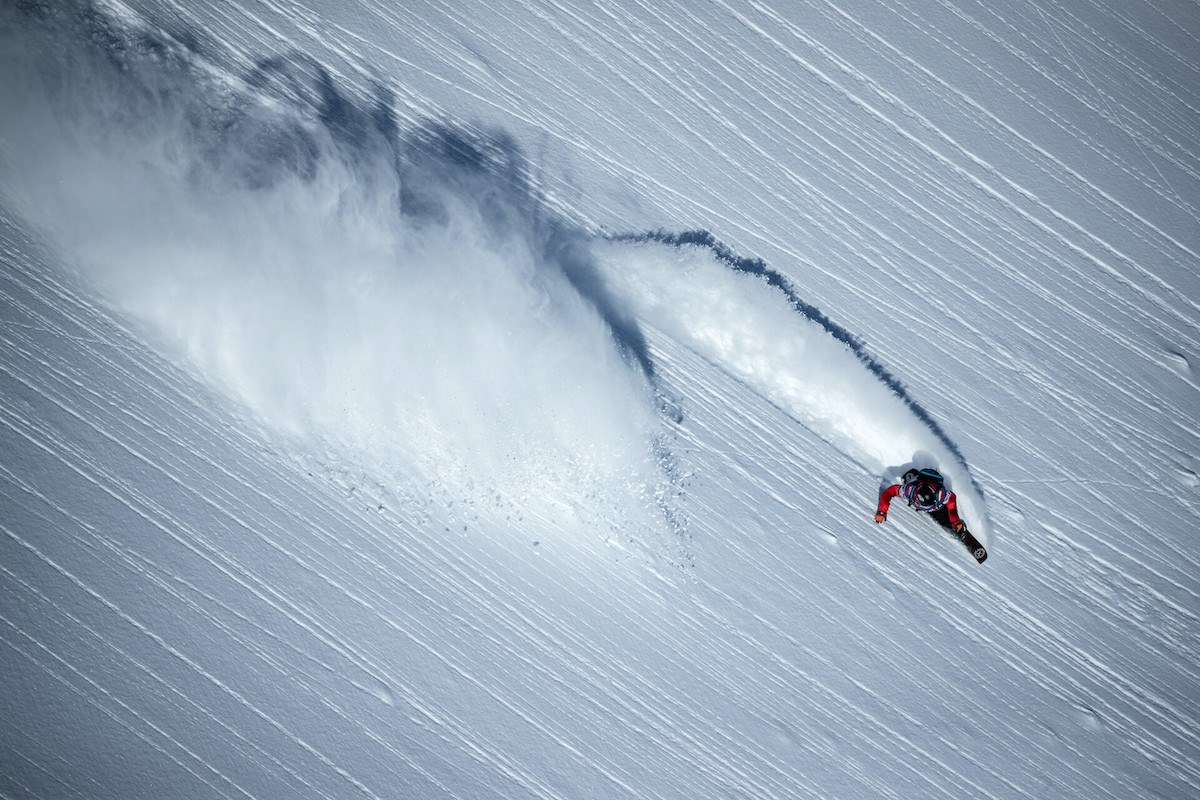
(835, 650)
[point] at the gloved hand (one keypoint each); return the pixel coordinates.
(959, 527)
(880, 517)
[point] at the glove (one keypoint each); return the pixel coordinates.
(880, 517)
(959, 527)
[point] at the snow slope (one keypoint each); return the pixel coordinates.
(408, 400)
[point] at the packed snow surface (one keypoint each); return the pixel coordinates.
(471, 400)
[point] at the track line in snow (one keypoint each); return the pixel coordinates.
(972, 158)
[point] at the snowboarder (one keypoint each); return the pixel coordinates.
(925, 491)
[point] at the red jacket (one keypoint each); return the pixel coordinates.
(945, 499)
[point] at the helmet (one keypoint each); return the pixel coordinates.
(924, 494)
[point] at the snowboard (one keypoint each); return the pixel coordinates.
(978, 551)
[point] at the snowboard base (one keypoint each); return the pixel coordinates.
(976, 548)
(978, 551)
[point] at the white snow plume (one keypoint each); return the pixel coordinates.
(749, 325)
(393, 297)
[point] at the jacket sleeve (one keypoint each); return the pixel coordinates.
(952, 510)
(885, 498)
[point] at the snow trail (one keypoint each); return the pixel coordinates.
(747, 320)
(402, 296)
